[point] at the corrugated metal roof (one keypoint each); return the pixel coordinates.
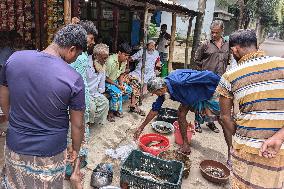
(173, 7)
(163, 5)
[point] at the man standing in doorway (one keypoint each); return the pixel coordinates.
(213, 55)
(163, 43)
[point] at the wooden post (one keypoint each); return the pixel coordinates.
(172, 44)
(115, 27)
(145, 38)
(37, 25)
(43, 28)
(67, 11)
(99, 15)
(75, 8)
(187, 42)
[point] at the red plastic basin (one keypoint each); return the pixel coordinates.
(162, 145)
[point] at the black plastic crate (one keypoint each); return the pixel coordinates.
(169, 172)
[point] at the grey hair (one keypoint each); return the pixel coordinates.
(71, 35)
(101, 49)
(217, 23)
(155, 83)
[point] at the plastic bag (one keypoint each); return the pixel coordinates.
(110, 187)
(121, 152)
(102, 175)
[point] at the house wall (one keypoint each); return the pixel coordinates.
(192, 5)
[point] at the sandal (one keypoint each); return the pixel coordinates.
(118, 114)
(110, 119)
(3, 133)
(198, 128)
(213, 127)
(137, 111)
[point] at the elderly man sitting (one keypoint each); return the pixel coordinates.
(151, 63)
(134, 78)
(96, 76)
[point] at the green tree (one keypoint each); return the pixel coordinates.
(153, 31)
(280, 16)
(262, 13)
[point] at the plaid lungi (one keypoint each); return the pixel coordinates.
(29, 172)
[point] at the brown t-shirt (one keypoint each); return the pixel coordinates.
(209, 57)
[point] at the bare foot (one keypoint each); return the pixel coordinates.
(185, 149)
(110, 117)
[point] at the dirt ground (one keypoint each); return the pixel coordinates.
(207, 145)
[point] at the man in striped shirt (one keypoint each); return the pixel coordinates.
(256, 134)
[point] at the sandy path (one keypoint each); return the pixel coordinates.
(207, 145)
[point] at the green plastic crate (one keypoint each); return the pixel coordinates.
(169, 171)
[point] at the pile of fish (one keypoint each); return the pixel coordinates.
(178, 156)
(163, 128)
(148, 176)
(155, 145)
(215, 172)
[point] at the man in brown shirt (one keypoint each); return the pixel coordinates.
(213, 55)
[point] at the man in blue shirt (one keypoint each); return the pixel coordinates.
(193, 89)
(40, 93)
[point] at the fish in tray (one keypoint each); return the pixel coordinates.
(149, 176)
(162, 127)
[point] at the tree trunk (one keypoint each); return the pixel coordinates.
(145, 38)
(186, 64)
(172, 44)
(197, 30)
(241, 17)
(258, 30)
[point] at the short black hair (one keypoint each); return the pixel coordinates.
(164, 25)
(90, 27)
(124, 48)
(243, 38)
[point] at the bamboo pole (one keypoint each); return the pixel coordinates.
(172, 43)
(186, 63)
(145, 38)
(67, 11)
